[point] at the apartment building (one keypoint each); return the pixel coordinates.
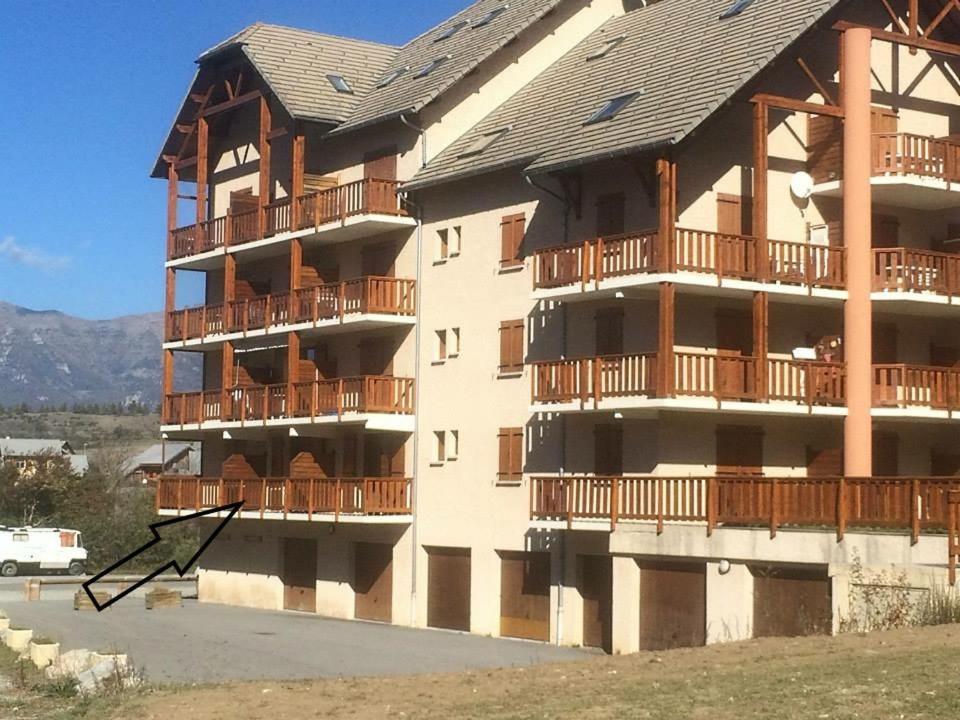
(622, 324)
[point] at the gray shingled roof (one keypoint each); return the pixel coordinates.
(155, 454)
(678, 54)
(467, 49)
(295, 64)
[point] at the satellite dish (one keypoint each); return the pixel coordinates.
(801, 185)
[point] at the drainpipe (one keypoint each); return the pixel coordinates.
(423, 139)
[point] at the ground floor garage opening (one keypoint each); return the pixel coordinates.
(789, 602)
(673, 605)
(448, 588)
(299, 574)
(373, 581)
(595, 583)
(525, 595)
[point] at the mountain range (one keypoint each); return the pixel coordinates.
(50, 358)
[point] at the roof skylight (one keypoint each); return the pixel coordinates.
(391, 76)
(611, 108)
(431, 66)
(484, 141)
(738, 7)
(340, 84)
(607, 46)
(490, 16)
(451, 31)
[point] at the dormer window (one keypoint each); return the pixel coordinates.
(484, 141)
(490, 16)
(391, 76)
(431, 66)
(605, 49)
(451, 31)
(611, 108)
(340, 84)
(738, 7)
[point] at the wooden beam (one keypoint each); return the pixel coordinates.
(816, 83)
(666, 198)
(784, 103)
(172, 181)
(761, 339)
(184, 128)
(941, 16)
(761, 166)
(293, 364)
(891, 12)
(203, 165)
(297, 161)
(264, 150)
(922, 43)
(913, 21)
(230, 104)
(167, 374)
(277, 133)
(666, 328)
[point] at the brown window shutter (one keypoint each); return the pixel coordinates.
(510, 443)
(511, 346)
(512, 229)
(516, 454)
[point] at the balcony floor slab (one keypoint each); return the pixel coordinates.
(907, 191)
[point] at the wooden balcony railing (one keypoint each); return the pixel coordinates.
(375, 295)
(907, 154)
(912, 386)
(698, 251)
(304, 496)
(915, 504)
(319, 398)
(694, 375)
(918, 271)
(367, 196)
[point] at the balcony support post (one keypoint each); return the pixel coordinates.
(172, 192)
(296, 184)
(667, 199)
(761, 132)
(858, 341)
(203, 165)
(665, 340)
(293, 370)
(170, 300)
(761, 341)
(264, 150)
(226, 380)
(167, 380)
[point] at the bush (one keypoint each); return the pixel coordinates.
(940, 606)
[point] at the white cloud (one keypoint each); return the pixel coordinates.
(13, 252)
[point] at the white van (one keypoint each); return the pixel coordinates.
(30, 549)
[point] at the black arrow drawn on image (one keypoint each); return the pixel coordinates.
(174, 563)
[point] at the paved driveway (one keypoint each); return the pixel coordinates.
(208, 643)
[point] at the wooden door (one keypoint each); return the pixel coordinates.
(886, 453)
(736, 374)
(673, 605)
(300, 574)
(381, 164)
(243, 201)
(824, 462)
(788, 602)
(349, 465)
(608, 450)
(383, 456)
(609, 332)
(448, 588)
(886, 231)
(610, 215)
(884, 343)
(378, 260)
(373, 581)
(739, 450)
(734, 214)
(595, 582)
(525, 595)
(883, 120)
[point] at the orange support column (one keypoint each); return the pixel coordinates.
(665, 340)
(858, 319)
(761, 340)
(264, 150)
(667, 192)
(761, 163)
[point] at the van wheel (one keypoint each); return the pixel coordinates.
(76, 568)
(9, 569)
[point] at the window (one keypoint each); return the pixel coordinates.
(451, 31)
(510, 441)
(490, 16)
(484, 141)
(439, 446)
(431, 66)
(512, 229)
(738, 7)
(511, 347)
(443, 244)
(20, 537)
(340, 84)
(605, 49)
(391, 76)
(453, 445)
(454, 349)
(610, 110)
(441, 345)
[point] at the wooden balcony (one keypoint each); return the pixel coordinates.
(916, 386)
(310, 401)
(915, 504)
(909, 270)
(702, 375)
(907, 154)
(325, 304)
(369, 196)
(740, 257)
(270, 497)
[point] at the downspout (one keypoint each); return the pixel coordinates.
(563, 201)
(414, 491)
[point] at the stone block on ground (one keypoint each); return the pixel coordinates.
(82, 601)
(159, 598)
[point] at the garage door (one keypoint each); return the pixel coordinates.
(673, 605)
(595, 581)
(300, 574)
(448, 588)
(373, 581)
(525, 595)
(788, 602)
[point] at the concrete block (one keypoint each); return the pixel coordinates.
(44, 655)
(81, 601)
(17, 640)
(160, 598)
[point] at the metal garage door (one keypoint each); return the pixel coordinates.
(525, 595)
(300, 574)
(788, 602)
(373, 581)
(673, 605)
(595, 581)
(448, 588)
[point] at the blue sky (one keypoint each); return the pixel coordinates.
(89, 90)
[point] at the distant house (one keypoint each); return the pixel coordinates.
(176, 458)
(28, 454)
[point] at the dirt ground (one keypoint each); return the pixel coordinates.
(903, 674)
